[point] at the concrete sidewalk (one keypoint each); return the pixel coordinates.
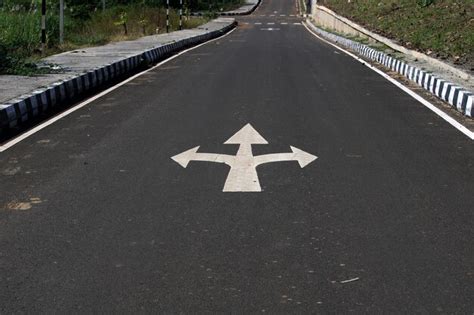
(23, 98)
(249, 7)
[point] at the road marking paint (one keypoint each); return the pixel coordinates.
(52, 120)
(296, 23)
(282, 14)
(417, 97)
(284, 23)
(258, 23)
(292, 15)
(263, 15)
(243, 175)
(170, 67)
(272, 14)
(270, 23)
(349, 280)
(270, 29)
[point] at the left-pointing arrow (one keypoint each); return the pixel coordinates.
(242, 176)
(185, 157)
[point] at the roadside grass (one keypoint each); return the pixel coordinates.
(441, 28)
(19, 38)
(20, 33)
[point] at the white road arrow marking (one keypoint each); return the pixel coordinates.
(243, 175)
(184, 158)
(303, 158)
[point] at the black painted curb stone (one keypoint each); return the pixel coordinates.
(232, 13)
(20, 111)
(457, 96)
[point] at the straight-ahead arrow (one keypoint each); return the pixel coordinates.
(243, 175)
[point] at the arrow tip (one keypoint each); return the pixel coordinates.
(246, 135)
(303, 158)
(185, 157)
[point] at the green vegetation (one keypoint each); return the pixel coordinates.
(441, 28)
(86, 24)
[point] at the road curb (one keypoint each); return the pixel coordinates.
(457, 96)
(232, 13)
(22, 110)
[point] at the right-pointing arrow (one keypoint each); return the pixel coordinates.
(243, 175)
(303, 158)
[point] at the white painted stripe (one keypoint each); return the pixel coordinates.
(296, 23)
(258, 23)
(469, 105)
(284, 23)
(451, 94)
(270, 23)
(461, 95)
(51, 121)
(444, 91)
(410, 72)
(417, 97)
(282, 14)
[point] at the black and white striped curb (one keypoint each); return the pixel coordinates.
(245, 10)
(22, 110)
(455, 95)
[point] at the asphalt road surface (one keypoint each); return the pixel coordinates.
(96, 217)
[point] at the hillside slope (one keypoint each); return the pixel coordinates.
(441, 28)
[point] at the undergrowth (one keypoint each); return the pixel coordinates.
(20, 32)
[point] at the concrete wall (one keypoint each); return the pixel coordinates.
(323, 18)
(328, 19)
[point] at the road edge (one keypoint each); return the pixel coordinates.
(463, 129)
(60, 94)
(22, 136)
(233, 12)
(458, 97)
